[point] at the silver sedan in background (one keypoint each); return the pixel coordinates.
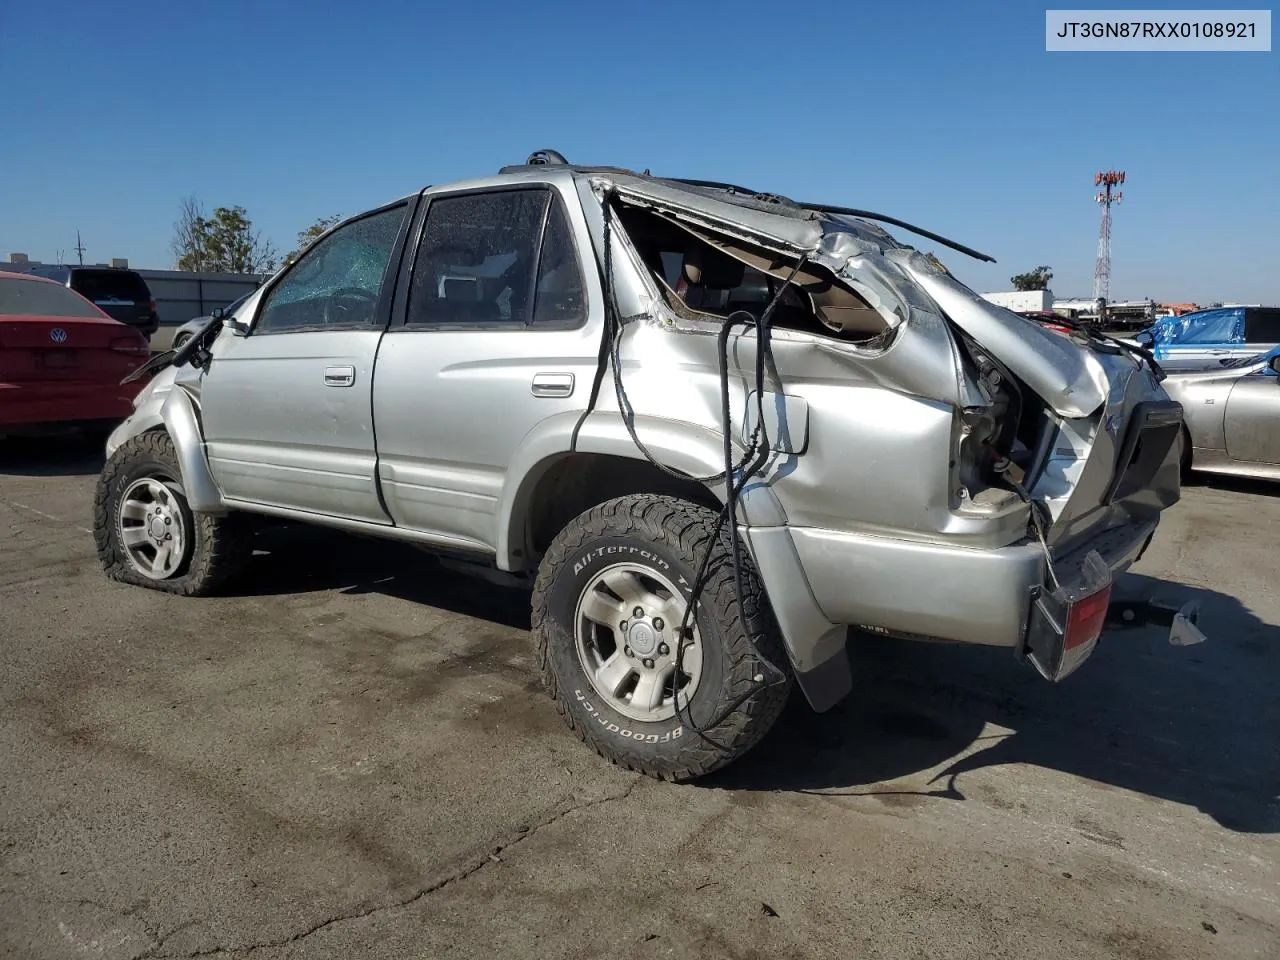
(1231, 416)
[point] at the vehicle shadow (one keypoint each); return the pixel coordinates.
(1230, 484)
(299, 558)
(68, 455)
(1195, 725)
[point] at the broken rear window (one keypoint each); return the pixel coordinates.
(701, 272)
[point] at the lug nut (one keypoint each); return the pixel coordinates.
(658, 623)
(622, 625)
(648, 663)
(638, 611)
(626, 651)
(167, 521)
(663, 649)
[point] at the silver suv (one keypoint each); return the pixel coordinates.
(714, 429)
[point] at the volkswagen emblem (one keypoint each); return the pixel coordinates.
(58, 335)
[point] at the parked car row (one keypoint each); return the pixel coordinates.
(1221, 365)
(120, 293)
(1208, 338)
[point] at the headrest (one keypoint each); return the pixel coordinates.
(708, 267)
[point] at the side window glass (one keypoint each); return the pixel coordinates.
(337, 281)
(477, 259)
(559, 298)
(1215, 326)
(1262, 325)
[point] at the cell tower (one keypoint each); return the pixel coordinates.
(1107, 179)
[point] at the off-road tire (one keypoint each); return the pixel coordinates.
(736, 700)
(218, 547)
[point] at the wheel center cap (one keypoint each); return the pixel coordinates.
(643, 639)
(157, 528)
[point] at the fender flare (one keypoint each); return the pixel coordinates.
(182, 423)
(686, 447)
(815, 646)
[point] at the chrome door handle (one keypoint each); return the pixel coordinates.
(339, 376)
(552, 385)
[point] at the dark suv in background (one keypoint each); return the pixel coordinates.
(120, 293)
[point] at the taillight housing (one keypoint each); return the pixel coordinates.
(136, 345)
(1085, 619)
(1066, 621)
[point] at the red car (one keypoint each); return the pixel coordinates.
(62, 358)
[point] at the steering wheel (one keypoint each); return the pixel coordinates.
(341, 302)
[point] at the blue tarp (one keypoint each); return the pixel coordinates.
(1225, 325)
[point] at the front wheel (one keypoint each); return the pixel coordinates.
(608, 603)
(179, 340)
(147, 535)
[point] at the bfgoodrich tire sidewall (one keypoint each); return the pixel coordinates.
(653, 739)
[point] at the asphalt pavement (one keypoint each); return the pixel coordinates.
(350, 758)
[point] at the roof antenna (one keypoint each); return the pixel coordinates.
(542, 158)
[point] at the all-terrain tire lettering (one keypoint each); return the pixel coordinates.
(671, 536)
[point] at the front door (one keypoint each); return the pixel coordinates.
(494, 341)
(1253, 418)
(286, 409)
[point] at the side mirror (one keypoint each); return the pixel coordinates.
(1144, 339)
(238, 328)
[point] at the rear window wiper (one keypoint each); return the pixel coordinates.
(840, 211)
(884, 218)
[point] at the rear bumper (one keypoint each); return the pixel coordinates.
(26, 404)
(820, 582)
(936, 591)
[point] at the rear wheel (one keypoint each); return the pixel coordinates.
(179, 340)
(607, 606)
(147, 535)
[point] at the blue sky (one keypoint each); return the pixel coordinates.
(950, 115)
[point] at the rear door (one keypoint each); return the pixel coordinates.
(286, 409)
(493, 340)
(121, 294)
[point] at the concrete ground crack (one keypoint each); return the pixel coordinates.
(489, 854)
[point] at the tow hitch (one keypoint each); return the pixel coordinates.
(1183, 622)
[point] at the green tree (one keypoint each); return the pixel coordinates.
(308, 236)
(1037, 279)
(223, 243)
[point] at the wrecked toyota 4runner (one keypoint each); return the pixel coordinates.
(714, 430)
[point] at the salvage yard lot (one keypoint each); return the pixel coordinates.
(350, 758)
